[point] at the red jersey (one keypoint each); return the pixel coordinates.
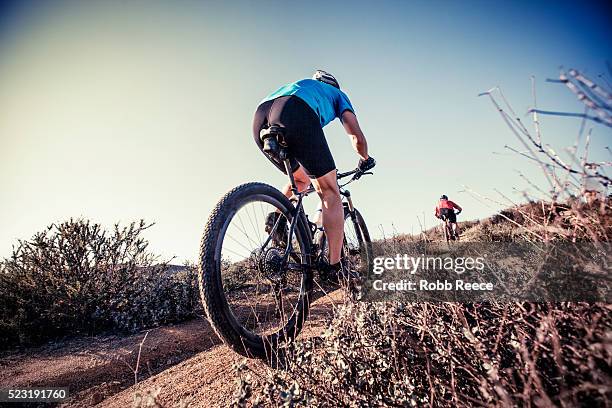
(446, 204)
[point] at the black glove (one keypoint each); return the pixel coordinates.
(365, 165)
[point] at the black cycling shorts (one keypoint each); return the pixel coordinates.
(448, 213)
(306, 144)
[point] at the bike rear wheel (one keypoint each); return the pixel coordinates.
(446, 233)
(253, 303)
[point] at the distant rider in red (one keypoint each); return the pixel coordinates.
(446, 210)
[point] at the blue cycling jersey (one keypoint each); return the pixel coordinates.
(327, 101)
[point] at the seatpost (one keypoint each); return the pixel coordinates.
(294, 188)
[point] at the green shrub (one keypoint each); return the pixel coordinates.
(75, 277)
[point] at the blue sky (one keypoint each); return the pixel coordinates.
(122, 110)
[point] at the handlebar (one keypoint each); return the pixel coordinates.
(357, 174)
(348, 173)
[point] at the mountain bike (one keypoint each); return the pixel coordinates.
(256, 271)
(449, 234)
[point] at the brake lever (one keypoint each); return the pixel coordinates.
(358, 175)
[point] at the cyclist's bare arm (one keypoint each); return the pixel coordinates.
(351, 126)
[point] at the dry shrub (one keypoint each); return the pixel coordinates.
(573, 220)
(75, 277)
(574, 203)
(233, 275)
(448, 354)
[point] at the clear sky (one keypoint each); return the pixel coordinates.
(121, 110)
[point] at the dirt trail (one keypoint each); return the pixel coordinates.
(97, 369)
(208, 379)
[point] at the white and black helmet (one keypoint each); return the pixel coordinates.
(325, 77)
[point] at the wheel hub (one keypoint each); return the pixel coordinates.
(271, 264)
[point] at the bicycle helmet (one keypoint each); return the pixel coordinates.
(325, 77)
(444, 197)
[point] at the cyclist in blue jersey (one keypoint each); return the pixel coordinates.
(303, 108)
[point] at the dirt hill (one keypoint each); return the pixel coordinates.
(182, 363)
(186, 363)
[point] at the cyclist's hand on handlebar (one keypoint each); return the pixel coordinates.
(365, 165)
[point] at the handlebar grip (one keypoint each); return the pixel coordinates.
(359, 173)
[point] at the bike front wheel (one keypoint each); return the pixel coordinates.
(357, 252)
(357, 243)
(255, 280)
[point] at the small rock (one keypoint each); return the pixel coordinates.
(96, 398)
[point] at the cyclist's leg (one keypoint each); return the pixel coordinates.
(302, 181)
(307, 144)
(456, 230)
(333, 213)
(444, 218)
(453, 221)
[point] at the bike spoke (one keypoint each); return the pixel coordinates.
(237, 241)
(257, 231)
(262, 298)
(243, 229)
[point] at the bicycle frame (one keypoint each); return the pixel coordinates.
(447, 229)
(449, 233)
(299, 208)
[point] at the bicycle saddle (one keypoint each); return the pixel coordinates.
(273, 138)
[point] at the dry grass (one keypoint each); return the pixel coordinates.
(447, 354)
(453, 354)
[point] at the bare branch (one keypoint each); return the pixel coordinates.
(572, 114)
